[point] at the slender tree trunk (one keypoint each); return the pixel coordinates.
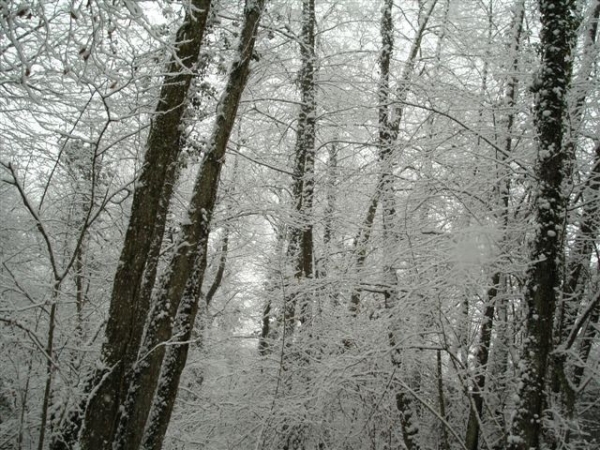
(481, 368)
(128, 311)
(503, 189)
(360, 247)
(264, 346)
(445, 443)
(273, 282)
(588, 335)
(297, 300)
(332, 177)
(389, 126)
(388, 134)
(79, 275)
(575, 293)
(543, 277)
(49, 364)
(300, 248)
(387, 138)
(331, 290)
(583, 245)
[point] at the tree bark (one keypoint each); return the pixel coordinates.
(389, 125)
(300, 251)
(579, 260)
(543, 276)
(583, 245)
(387, 137)
(575, 293)
(503, 190)
(300, 247)
(128, 311)
(185, 272)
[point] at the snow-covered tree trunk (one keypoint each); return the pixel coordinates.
(179, 290)
(576, 291)
(496, 292)
(389, 122)
(300, 247)
(298, 300)
(583, 244)
(388, 133)
(543, 275)
(127, 314)
(389, 119)
(268, 315)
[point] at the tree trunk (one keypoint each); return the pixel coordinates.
(297, 300)
(300, 248)
(266, 333)
(578, 264)
(543, 276)
(388, 131)
(185, 271)
(49, 364)
(387, 138)
(174, 361)
(389, 126)
(503, 191)
(575, 292)
(128, 311)
(584, 242)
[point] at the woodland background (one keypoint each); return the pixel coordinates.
(403, 248)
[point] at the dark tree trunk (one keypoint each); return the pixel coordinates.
(387, 138)
(128, 310)
(264, 347)
(298, 300)
(576, 292)
(503, 190)
(543, 276)
(584, 242)
(389, 126)
(388, 132)
(178, 295)
(578, 264)
(300, 249)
